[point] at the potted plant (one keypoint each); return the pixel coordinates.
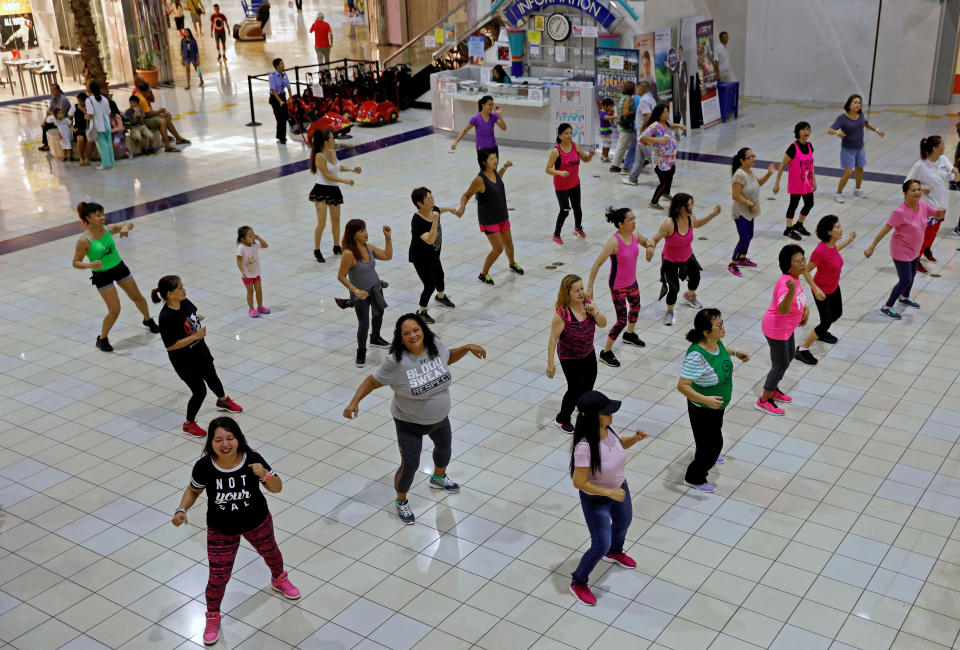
(146, 65)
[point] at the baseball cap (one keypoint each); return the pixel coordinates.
(596, 402)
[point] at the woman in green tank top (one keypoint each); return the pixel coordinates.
(97, 245)
(707, 382)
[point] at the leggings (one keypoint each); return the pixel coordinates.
(363, 309)
(707, 425)
(580, 375)
(608, 521)
(410, 440)
(781, 354)
(795, 200)
(197, 378)
(745, 230)
(905, 272)
(222, 551)
(567, 199)
(430, 272)
(672, 272)
(621, 297)
(666, 180)
(830, 310)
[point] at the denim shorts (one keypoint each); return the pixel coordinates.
(850, 158)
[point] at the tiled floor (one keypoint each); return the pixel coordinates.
(833, 527)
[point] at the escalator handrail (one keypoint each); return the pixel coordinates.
(429, 29)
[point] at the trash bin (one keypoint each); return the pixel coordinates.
(729, 96)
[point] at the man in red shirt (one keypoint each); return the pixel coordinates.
(323, 38)
(218, 29)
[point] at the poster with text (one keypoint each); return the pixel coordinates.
(609, 80)
(644, 44)
(475, 49)
(17, 32)
(662, 66)
(709, 100)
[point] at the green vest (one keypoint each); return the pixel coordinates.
(723, 366)
(105, 250)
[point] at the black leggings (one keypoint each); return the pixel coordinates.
(410, 439)
(580, 375)
(707, 427)
(671, 271)
(567, 199)
(363, 309)
(430, 272)
(830, 310)
(666, 181)
(781, 354)
(197, 378)
(795, 201)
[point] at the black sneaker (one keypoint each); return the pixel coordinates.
(318, 255)
(607, 358)
(426, 317)
(829, 338)
(152, 325)
(792, 233)
(633, 339)
(805, 356)
(566, 427)
(361, 358)
(445, 301)
(516, 268)
(444, 483)
(337, 250)
(379, 342)
(614, 168)
(801, 229)
(405, 512)
(485, 278)
(103, 344)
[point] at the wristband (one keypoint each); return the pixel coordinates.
(178, 510)
(267, 477)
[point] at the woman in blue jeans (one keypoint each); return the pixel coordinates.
(596, 465)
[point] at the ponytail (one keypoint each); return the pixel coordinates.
(167, 284)
(84, 210)
(928, 144)
(702, 322)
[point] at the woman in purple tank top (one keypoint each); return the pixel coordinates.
(571, 336)
(483, 122)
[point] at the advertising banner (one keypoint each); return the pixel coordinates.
(613, 66)
(17, 32)
(644, 44)
(709, 100)
(664, 63)
(475, 49)
(593, 8)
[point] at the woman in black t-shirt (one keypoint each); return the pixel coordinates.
(183, 337)
(230, 473)
(425, 242)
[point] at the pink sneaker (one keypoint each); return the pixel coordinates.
(227, 404)
(747, 262)
(622, 559)
(783, 397)
(583, 594)
(211, 633)
(734, 270)
(579, 233)
(263, 310)
(254, 313)
(768, 406)
(557, 240)
(282, 584)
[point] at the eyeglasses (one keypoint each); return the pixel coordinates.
(749, 157)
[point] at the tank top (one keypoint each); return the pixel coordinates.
(569, 162)
(363, 275)
(576, 339)
(320, 180)
(105, 250)
(723, 366)
(800, 177)
(677, 247)
(492, 202)
(623, 263)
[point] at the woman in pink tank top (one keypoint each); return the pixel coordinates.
(623, 250)
(679, 262)
(564, 165)
(801, 181)
(572, 332)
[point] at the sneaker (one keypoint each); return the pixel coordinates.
(839, 197)
(889, 311)
(318, 255)
(211, 632)
(655, 205)
(445, 301)
(379, 342)
(628, 181)
(860, 194)
(337, 250)
(227, 404)
(584, 595)
(909, 302)
(768, 406)
(799, 227)
(632, 339)
(444, 483)
(791, 233)
(405, 512)
(607, 358)
(668, 318)
(579, 233)
(486, 279)
(956, 231)
(734, 270)
(566, 427)
(282, 584)
(929, 255)
(254, 313)
(781, 396)
(604, 159)
(103, 344)
(721, 460)
(151, 325)
(557, 239)
(263, 310)
(829, 338)
(194, 429)
(613, 168)
(343, 303)
(426, 318)
(703, 487)
(625, 171)
(921, 268)
(805, 356)
(516, 268)
(361, 358)
(622, 559)
(691, 299)
(745, 261)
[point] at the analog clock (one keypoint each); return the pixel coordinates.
(558, 27)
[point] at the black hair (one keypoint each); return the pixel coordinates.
(616, 216)
(85, 209)
(798, 127)
(230, 425)
(419, 195)
(95, 90)
(483, 100)
(737, 161)
(397, 348)
(655, 114)
(483, 155)
(846, 104)
(242, 232)
(702, 322)
(677, 203)
(276, 62)
(166, 284)
(907, 183)
(498, 73)
(606, 101)
(134, 99)
(319, 139)
(825, 225)
(928, 144)
(785, 258)
(560, 129)
(587, 427)
(81, 96)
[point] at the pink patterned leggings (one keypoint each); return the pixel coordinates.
(222, 551)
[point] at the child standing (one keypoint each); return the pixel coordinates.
(64, 127)
(248, 243)
(80, 129)
(119, 131)
(606, 128)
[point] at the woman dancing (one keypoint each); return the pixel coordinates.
(746, 205)
(483, 122)
(325, 193)
(801, 180)
(934, 171)
(358, 273)
(563, 164)
(849, 127)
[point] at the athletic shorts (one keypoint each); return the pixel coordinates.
(503, 226)
(248, 281)
(178, 21)
(850, 158)
(103, 279)
(220, 36)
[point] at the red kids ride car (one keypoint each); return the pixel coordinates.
(377, 113)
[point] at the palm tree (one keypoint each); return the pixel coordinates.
(89, 46)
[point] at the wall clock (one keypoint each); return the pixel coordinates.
(558, 27)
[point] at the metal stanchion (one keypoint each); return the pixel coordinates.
(253, 118)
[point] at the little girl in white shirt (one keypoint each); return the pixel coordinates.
(248, 244)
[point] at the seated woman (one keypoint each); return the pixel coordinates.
(499, 75)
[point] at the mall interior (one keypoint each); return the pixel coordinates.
(506, 428)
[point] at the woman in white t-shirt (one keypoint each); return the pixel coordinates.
(248, 261)
(97, 108)
(934, 171)
(596, 465)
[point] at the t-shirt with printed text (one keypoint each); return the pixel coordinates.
(234, 501)
(421, 385)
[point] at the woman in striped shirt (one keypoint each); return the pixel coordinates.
(707, 382)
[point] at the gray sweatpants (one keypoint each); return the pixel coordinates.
(410, 440)
(781, 354)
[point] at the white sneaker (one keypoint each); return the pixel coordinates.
(839, 197)
(668, 318)
(859, 193)
(626, 181)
